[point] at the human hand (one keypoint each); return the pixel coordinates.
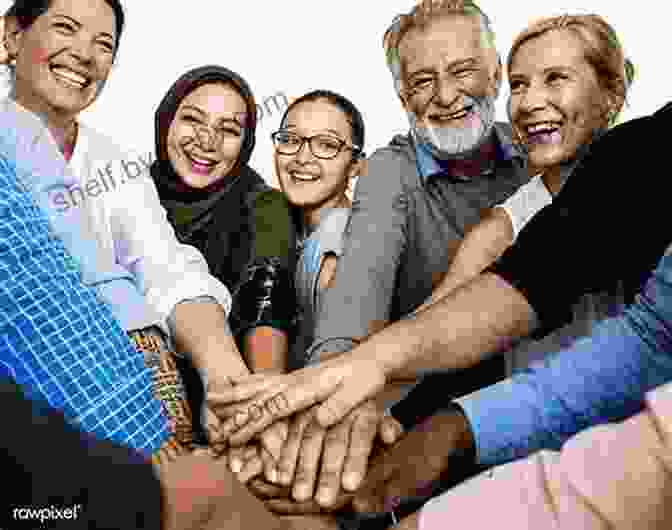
(335, 458)
(272, 438)
(199, 492)
(411, 466)
(279, 499)
(339, 384)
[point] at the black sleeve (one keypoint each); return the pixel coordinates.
(265, 295)
(67, 477)
(601, 229)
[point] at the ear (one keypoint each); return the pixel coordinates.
(12, 37)
(357, 168)
(497, 76)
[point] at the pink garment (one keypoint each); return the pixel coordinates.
(612, 477)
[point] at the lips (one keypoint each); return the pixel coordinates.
(546, 132)
(199, 164)
(69, 77)
(450, 116)
(304, 176)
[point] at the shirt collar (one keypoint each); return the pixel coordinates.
(507, 151)
(29, 143)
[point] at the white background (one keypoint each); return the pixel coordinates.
(295, 46)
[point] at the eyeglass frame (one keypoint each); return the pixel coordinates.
(357, 150)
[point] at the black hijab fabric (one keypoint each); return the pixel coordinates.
(216, 219)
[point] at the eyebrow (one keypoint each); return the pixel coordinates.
(79, 25)
(545, 71)
(332, 131)
(203, 113)
(472, 61)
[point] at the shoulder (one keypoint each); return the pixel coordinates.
(396, 159)
(331, 230)
(103, 151)
(100, 144)
(270, 200)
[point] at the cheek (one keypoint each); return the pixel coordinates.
(417, 104)
(231, 151)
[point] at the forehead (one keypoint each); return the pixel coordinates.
(215, 99)
(318, 116)
(445, 40)
(555, 48)
(96, 15)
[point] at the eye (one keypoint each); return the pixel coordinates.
(287, 138)
(421, 82)
(189, 118)
(465, 72)
(228, 131)
(516, 86)
(105, 45)
(328, 143)
(65, 28)
(556, 77)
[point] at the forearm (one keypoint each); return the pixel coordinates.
(202, 332)
(481, 247)
(601, 378)
(265, 349)
(480, 318)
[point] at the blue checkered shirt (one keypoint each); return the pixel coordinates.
(58, 340)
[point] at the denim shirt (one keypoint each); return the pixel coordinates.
(58, 341)
(601, 378)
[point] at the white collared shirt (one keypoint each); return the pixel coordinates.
(132, 228)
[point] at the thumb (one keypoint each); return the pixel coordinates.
(390, 430)
(274, 437)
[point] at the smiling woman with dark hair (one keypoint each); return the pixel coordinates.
(60, 54)
(205, 133)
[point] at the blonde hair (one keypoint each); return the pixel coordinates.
(425, 12)
(603, 51)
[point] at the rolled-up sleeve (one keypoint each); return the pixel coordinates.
(601, 378)
(358, 302)
(167, 272)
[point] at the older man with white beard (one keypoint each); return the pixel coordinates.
(427, 188)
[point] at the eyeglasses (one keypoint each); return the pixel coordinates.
(321, 145)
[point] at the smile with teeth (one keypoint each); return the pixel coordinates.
(454, 116)
(69, 77)
(544, 127)
(308, 177)
(544, 133)
(200, 161)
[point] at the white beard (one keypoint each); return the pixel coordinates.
(448, 143)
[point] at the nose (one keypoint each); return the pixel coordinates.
(304, 154)
(82, 49)
(534, 98)
(206, 139)
(446, 92)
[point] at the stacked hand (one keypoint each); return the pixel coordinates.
(412, 467)
(252, 403)
(319, 466)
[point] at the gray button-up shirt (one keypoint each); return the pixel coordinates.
(407, 221)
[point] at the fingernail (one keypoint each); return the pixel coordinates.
(273, 476)
(240, 418)
(302, 492)
(324, 496)
(351, 481)
(236, 465)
